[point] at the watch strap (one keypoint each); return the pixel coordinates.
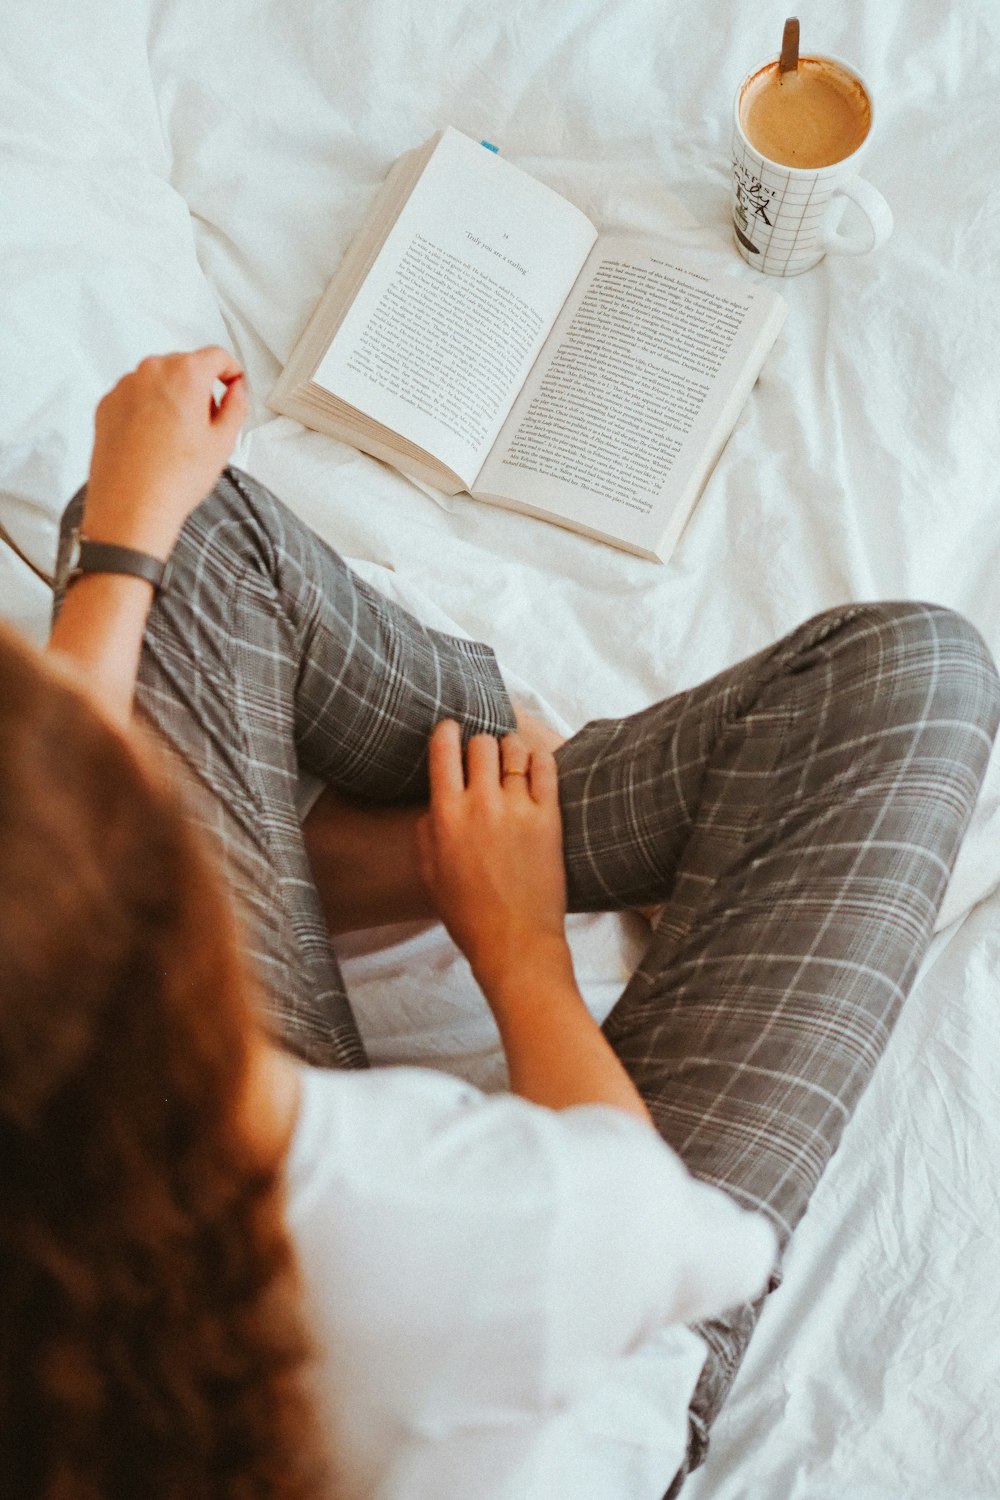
(106, 557)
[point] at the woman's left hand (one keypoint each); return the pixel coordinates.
(160, 444)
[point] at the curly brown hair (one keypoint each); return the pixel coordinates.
(150, 1342)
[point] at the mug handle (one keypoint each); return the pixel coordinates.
(872, 205)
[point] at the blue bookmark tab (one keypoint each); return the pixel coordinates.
(490, 146)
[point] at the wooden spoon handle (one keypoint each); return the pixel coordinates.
(790, 46)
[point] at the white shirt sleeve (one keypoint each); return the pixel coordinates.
(498, 1254)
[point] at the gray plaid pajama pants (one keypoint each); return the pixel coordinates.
(799, 814)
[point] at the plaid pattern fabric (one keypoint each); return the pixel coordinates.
(799, 815)
(266, 654)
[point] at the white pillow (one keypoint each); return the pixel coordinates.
(97, 253)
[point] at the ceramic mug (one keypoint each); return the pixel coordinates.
(787, 217)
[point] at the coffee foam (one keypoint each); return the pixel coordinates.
(810, 118)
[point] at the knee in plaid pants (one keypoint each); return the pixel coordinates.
(798, 815)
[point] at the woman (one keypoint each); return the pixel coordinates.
(150, 1339)
(485, 1279)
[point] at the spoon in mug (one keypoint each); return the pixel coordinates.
(789, 47)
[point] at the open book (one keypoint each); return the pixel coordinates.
(481, 335)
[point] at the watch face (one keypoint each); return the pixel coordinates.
(73, 560)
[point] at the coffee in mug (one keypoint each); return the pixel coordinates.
(797, 137)
(812, 116)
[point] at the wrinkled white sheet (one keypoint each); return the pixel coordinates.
(173, 173)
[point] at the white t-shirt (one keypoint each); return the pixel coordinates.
(498, 1289)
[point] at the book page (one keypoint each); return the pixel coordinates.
(458, 303)
(618, 415)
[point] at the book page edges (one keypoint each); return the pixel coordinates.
(343, 287)
(317, 409)
(541, 514)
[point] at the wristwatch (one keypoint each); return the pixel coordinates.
(86, 556)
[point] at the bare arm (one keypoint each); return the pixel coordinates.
(556, 1052)
(160, 443)
(491, 854)
(99, 630)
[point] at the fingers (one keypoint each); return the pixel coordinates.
(515, 757)
(194, 375)
(444, 761)
(233, 406)
(207, 364)
(534, 731)
(217, 362)
(515, 765)
(529, 770)
(544, 784)
(482, 764)
(198, 369)
(210, 363)
(490, 766)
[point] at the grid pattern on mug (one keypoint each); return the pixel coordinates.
(793, 204)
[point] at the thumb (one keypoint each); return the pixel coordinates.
(233, 407)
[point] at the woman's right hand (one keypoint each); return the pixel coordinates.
(160, 444)
(491, 851)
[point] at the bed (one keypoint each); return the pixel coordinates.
(174, 174)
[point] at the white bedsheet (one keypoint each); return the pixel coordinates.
(174, 173)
